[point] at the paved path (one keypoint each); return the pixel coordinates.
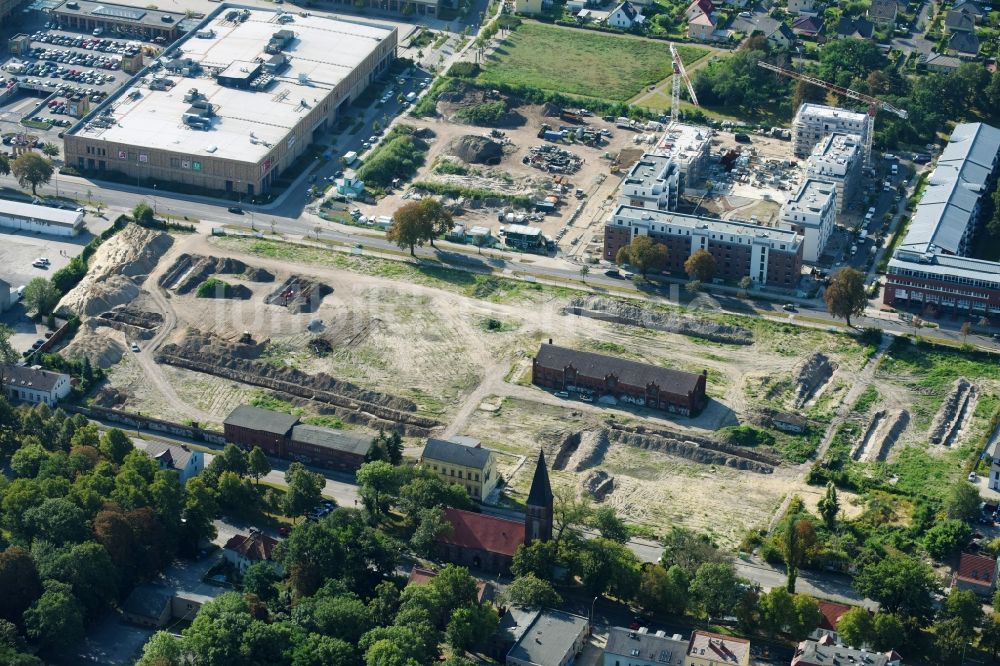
(832, 587)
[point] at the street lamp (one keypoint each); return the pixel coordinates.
(591, 617)
(154, 199)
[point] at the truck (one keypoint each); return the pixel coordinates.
(571, 117)
(624, 123)
(549, 135)
(411, 96)
(350, 158)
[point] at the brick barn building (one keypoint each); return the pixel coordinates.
(631, 382)
(489, 543)
(279, 434)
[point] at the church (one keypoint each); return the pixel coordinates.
(488, 543)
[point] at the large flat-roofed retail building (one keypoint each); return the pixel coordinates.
(235, 103)
(18, 216)
(118, 19)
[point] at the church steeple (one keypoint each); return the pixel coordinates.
(538, 508)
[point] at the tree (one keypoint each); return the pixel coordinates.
(470, 626)
(257, 464)
(964, 606)
(950, 639)
(32, 169)
(4, 166)
(608, 566)
(807, 617)
(829, 506)
(162, 649)
(143, 213)
(856, 627)
(417, 222)
(311, 554)
(606, 521)
(715, 587)
(663, 590)
(234, 460)
(305, 490)
(963, 501)
(56, 520)
(538, 558)
(989, 638)
(901, 583)
(431, 523)
(947, 538)
(777, 611)
(215, 637)
(964, 330)
(700, 266)
(50, 150)
(568, 512)
(55, 620)
(40, 296)
(688, 550)
(19, 582)
(584, 272)
(377, 483)
(888, 629)
(531, 592)
(115, 444)
(644, 254)
(7, 352)
(845, 295)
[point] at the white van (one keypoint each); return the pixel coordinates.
(895, 169)
(863, 236)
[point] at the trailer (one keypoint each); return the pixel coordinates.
(572, 117)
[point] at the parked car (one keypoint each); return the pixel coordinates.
(134, 347)
(562, 394)
(789, 307)
(972, 477)
(235, 210)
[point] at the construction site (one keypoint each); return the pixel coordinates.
(365, 343)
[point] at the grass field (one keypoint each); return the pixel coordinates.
(581, 62)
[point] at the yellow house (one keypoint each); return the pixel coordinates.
(708, 649)
(464, 461)
(528, 6)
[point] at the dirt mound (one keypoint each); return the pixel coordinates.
(882, 434)
(623, 312)
(550, 110)
(692, 447)
(299, 294)
(474, 149)
(258, 275)
(598, 485)
(590, 452)
(810, 377)
(97, 345)
(116, 269)
(238, 362)
(109, 398)
(956, 407)
(133, 323)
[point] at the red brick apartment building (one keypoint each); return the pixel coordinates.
(769, 256)
(631, 382)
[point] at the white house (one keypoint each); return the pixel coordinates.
(811, 212)
(625, 16)
(20, 216)
(185, 461)
(801, 7)
(243, 550)
(33, 384)
(698, 7)
(781, 37)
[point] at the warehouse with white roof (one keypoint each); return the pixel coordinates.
(235, 103)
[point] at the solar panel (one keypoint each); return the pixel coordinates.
(130, 13)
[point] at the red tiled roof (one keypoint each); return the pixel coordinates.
(831, 614)
(420, 576)
(976, 569)
(255, 546)
(474, 530)
(704, 5)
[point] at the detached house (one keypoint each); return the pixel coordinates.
(977, 573)
(698, 7)
(801, 7)
(969, 7)
(243, 550)
(701, 27)
(186, 462)
(625, 16)
(959, 21)
(883, 13)
(808, 26)
(964, 43)
(781, 37)
(33, 384)
(464, 461)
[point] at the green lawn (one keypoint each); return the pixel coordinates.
(580, 62)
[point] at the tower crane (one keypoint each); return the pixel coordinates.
(873, 104)
(675, 98)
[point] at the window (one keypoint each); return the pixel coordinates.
(477, 476)
(452, 472)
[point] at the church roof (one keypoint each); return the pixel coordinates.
(481, 532)
(541, 490)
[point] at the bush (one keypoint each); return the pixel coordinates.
(472, 193)
(746, 436)
(214, 288)
(486, 113)
(464, 70)
(398, 156)
(70, 275)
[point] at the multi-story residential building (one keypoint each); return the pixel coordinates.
(826, 652)
(768, 255)
(838, 158)
(626, 647)
(551, 638)
(708, 649)
(34, 385)
(929, 270)
(652, 182)
(245, 550)
(812, 213)
(689, 147)
(815, 121)
(178, 457)
(464, 461)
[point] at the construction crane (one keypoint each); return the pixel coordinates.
(873, 104)
(679, 73)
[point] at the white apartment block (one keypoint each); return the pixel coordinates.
(689, 147)
(838, 159)
(813, 122)
(653, 182)
(811, 213)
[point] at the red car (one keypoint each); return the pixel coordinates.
(284, 531)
